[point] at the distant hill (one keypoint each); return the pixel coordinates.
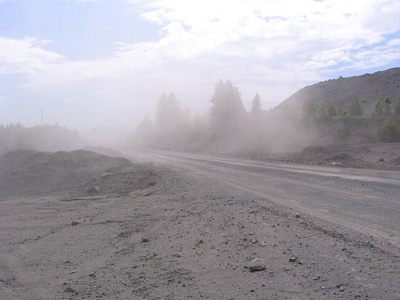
(341, 92)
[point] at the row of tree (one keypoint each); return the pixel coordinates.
(44, 138)
(382, 109)
(227, 125)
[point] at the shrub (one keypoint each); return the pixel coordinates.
(310, 110)
(388, 99)
(355, 109)
(341, 113)
(321, 109)
(389, 132)
(377, 112)
(396, 109)
(331, 111)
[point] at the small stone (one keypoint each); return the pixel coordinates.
(74, 223)
(381, 159)
(292, 259)
(257, 264)
(94, 189)
(298, 216)
(69, 290)
(145, 240)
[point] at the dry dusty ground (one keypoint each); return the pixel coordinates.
(380, 156)
(161, 234)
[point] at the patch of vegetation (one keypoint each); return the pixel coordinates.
(310, 110)
(389, 132)
(331, 111)
(396, 109)
(355, 109)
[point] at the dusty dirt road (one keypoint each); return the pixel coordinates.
(367, 201)
(321, 233)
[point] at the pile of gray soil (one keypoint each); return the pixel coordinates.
(76, 173)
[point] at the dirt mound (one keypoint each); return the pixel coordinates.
(76, 173)
(103, 150)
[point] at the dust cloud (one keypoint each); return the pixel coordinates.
(227, 127)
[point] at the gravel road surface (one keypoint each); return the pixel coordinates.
(201, 227)
(367, 201)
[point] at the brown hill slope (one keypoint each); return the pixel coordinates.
(342, 91)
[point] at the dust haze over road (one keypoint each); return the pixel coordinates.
(180, 225)
(80, 221)
(366, 201)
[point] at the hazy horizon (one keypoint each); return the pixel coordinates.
(103, 63)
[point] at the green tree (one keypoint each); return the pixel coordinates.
(256, 105)
(310, 110)
(321, 109)
(331, 111)
(227, 108)
(169, 110)
(389, 132)
(355, 109)
(227, 102)
(377, 112)
(387, 110)
(341, 113)
(388, 100)
(396, 109)
(169, 119)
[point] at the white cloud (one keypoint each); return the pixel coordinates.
(273, 47)
(322, 33)
(394, 42)
(315, 33)
(25, 56)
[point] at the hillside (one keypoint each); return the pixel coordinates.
(340, 92)
(344, 140)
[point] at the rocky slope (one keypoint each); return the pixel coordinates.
(342, 91)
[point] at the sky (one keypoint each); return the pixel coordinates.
(92, 63)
